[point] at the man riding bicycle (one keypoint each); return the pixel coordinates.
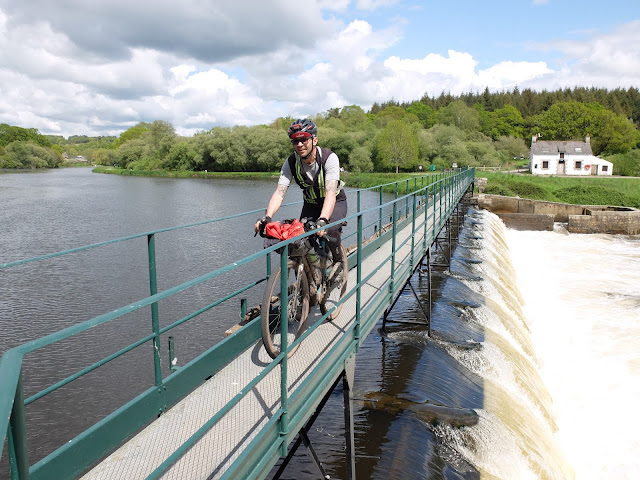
(317, 171)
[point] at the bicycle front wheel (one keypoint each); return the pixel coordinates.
(297, 310)
(336, 287)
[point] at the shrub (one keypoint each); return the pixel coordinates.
(592, 195)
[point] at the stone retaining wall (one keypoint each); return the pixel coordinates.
(524, 214)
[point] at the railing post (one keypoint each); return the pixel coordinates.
(18, 432)
(393, 244)
(284, 348)
(439, 204)
(155, 323)
(413, 234)
(268, 264)
(426, 219)
(380, 215)
(358, 277)
(406, 199)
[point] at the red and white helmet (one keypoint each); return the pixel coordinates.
(302, 128)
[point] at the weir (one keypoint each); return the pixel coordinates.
(232, 412)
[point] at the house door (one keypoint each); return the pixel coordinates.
(594, 169)
(561, 167)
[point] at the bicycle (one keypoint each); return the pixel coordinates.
(313, 278)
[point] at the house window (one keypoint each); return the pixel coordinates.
(545, 149)
(578, 165)
(545, 164)
(605, 168)
(578, 149)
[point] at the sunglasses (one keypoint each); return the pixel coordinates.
(296, 141)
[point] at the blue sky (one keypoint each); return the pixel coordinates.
(100, 67)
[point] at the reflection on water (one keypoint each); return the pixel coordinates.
(46, 212)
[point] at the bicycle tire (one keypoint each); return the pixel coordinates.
(298, 294)
(337, 287)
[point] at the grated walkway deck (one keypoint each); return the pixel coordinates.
(217, 450)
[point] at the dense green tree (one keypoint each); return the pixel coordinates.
(355, 119)
(360, 160)
(225, 151)
(505, 121)
(426, 114)
(105, 156)
(573, 120)
(460, 115)
(510, 148)
(626, 163)
(132, 133)
(267, 148)
(398, 146)
(389, 114)
(615, 134)
(130, 152)
(483, 153)
(9, 134)
(26, 154)
(444, 145)
(342, 144)
(181, 156)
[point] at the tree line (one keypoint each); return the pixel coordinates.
(474, 129)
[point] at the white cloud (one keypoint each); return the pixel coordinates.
(57, 80)
(608, 60)
(334, 5)
(367, 5)
(374, 4)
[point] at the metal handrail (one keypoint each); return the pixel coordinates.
(12, 402)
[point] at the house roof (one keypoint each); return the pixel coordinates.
(566, 147)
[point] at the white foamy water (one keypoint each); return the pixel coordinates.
(582, 304)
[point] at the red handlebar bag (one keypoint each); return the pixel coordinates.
(284, 230)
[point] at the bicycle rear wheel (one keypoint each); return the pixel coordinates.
(297, 310)
(336, 285)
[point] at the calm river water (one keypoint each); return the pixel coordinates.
(540, 338)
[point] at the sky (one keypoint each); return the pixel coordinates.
(99, 67)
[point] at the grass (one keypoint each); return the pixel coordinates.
(584, 191)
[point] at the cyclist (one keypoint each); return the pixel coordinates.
(317, 171)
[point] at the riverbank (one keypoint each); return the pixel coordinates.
(353, 180)
(621, 191)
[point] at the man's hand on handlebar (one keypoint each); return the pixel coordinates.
(261, 224)
(320, 224)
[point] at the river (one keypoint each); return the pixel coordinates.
(540, 338)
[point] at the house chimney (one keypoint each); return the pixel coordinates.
(534, 138)
(587, 139)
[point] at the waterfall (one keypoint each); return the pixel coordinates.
(582, 304)
(515, 437)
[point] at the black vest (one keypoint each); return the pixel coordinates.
(314, 192)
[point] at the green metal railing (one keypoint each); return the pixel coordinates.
(425, 206)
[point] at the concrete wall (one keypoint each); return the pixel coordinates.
(619, 222)
(538, 215)
(527, 221)
(498, 204)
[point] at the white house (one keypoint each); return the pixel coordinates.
(566, 158)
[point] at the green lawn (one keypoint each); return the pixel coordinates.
(585, 191)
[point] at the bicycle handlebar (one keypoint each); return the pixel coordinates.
(309, 225)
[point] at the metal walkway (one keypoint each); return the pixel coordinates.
(240, 421)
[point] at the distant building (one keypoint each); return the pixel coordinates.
(566, 158)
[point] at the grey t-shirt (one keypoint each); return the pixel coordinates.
(331, 169)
